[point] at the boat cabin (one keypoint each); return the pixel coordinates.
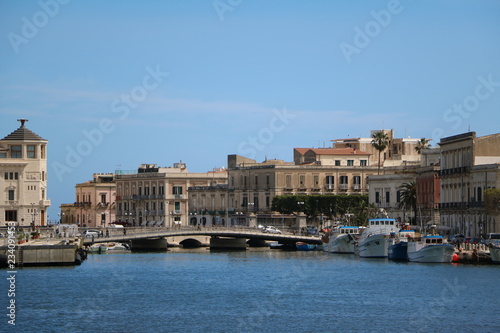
(430, 240)
(349, 230)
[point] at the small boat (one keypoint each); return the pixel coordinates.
(373, 242)
(430, 249)
(116, 247)
(341, 239)
(301, 246)
(98, 248)
(398, 245)
(275, 246)
(495, 253)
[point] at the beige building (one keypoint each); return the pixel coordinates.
(469, 166)
(157, 196)
(399, 151)
(95, 203)
(385, 193)
(23, 178)
(252, 186)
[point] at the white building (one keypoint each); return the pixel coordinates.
(23, 178)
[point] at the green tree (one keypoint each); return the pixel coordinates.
(492, 201)
(422, 144)
(380, 141)
(408, 197)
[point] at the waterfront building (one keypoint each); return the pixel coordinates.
(95, 203)
(385, 192)
(469, 166)
(23, 178)
(252, 186)
(158, 196)
(428, 188)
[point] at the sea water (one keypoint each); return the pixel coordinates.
(254, 291)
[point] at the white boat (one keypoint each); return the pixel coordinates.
(430, 249)
(116, 247)
(341, 239)
(373, 242)
(98, 248)
(495, 254)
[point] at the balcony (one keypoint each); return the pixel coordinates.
(45, 203)
(177, 212)
(356, 187)
(330, 187)
(344, 187)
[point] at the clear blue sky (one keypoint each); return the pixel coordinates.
(120, 83)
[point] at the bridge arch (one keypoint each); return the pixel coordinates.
(190, 243)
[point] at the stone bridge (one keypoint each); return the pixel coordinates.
(135, 234)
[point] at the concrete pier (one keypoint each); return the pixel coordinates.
(44, 255)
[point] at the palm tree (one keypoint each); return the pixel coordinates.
(422, 144)
(408, 197)
(380, 142)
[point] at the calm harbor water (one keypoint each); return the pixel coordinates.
(254, 291)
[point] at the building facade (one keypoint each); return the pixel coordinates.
(469, 166)
(157, 196)
(252, 186)
(23, 178)
(95, 203)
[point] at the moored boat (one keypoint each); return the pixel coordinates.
(495, 253)
(431, 249)
(301, 246)
(398, 245)
(341, 239)
(373, 242)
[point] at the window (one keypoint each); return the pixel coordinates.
(356, 180)
(42, 151)
(140, 191)
(267, 201)
(16, 151)
(398, 196)
(337, 162)
(302, 179)
(154, 190)
(267, 180)
(362, 162)
(11, 175)
(377, 197)
(329, 180)
(30, 151)
(161, 190)
(288, 180)
(256, 181)
(344, 180)
(232, 180)
(350, 162)
(387, 197)
(316, 180)
(3, 155)
(177, 206)
(11, 215)
(479, 194)
(103, 198)
(11, 195)
(177, 190)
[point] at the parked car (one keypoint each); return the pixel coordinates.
(90, 233)
(271, 230)
(456, 238)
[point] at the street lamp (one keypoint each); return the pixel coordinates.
(33, 214)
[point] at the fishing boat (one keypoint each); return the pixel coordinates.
(373, 242)
(495, 253)
(301, 246)
(431, 248)
(98, 248)
(341, 239)
(398, 245)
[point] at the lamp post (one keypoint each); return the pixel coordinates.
(33, 214)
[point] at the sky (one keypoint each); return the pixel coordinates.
(114, 84)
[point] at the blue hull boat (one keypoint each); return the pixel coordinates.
(398, 251)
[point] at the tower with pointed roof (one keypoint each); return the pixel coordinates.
(23, 178)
